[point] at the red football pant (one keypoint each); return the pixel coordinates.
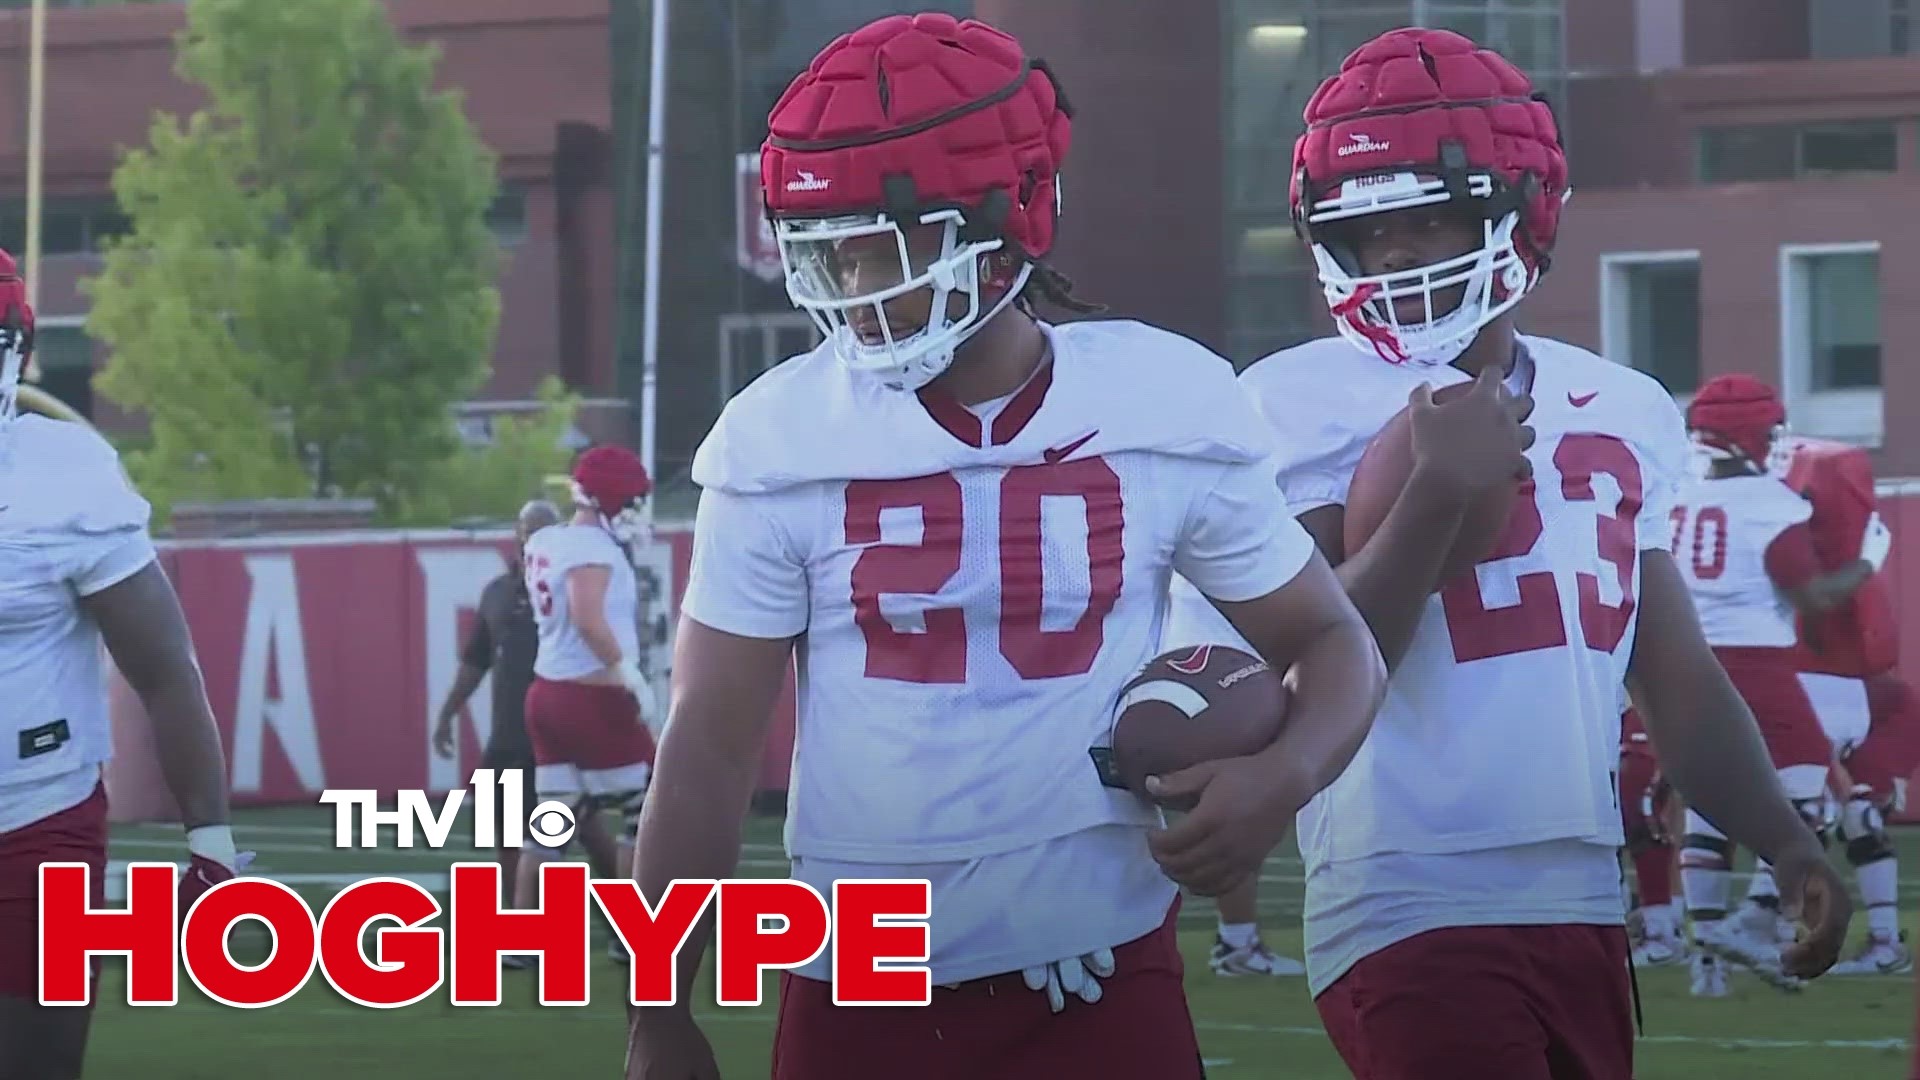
(76, 834)
(1479, 1002)
(1768, 682)
(996, 1027)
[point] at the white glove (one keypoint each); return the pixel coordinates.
(1076, 975)
(1877, 542)
(638, 685)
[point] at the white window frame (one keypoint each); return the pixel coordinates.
(1856, 416)
(1616, 301)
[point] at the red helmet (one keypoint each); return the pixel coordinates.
(1423, 117)
(1736, 416)
(612, 480)
(914, 120)
(16, 333)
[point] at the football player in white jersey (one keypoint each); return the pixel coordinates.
(1745, 540)
(78, 571)
(1463, 899)
(588, 705)
(960, 522)
(1740, 538)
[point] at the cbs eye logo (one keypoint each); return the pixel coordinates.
(551, 824)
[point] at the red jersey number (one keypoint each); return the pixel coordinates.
(537, 580)
(1479, 632)
(938, 653)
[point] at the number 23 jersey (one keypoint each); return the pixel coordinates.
(1501, 725)
(972, 592)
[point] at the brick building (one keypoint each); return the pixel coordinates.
(1737, 165)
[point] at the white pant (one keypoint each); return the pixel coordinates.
(1800, 782)
(1841, 704)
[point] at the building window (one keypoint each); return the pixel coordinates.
(507, 215)
(71, 225)
(1830, 339)
(63, 353)
(1797, 151)
(1650, 315)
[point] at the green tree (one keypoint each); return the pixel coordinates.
(492, 481)
(308, 285)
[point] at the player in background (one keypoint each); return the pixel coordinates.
(1874, 725)
(959, 521)
(78, 571)
(1463, 910)
(1644, 819)
(589, 699)
(1847, 653)
(1741, 539)
(504, 642)
(1237, 946)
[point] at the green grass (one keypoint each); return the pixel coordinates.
(1856, 1027)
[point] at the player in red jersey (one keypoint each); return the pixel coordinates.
(1463, 911)
(78, 571)
(959, 522)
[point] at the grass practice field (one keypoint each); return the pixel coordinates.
(1856, 1027)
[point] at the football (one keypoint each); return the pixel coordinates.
(1192, 705)
(1382, 474)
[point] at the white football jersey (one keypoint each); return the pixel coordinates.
(551, 554)
(71, 525)
(1720, 534)
(970, 594)
(1500, 731)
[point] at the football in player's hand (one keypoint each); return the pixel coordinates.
(1383, 472)
(1191, 705)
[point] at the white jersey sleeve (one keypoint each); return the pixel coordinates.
(1667, 454)
(1241, 541)
(746, 577)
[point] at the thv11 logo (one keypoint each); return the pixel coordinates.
(551, 824)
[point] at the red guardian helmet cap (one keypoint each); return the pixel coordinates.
(16, 335)
(612, 481)
(1415, 118)
(913, 120)
(1736, 418)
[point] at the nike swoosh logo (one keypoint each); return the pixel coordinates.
(1579, 401)
(1059, 454)
(1194, 662)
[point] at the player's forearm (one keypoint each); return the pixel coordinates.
(599, 637)
(1337, 686)
(1712, 753)
(1390, 579)
(464, 684)
(691, 825)
(188, 744)
(1830, 590)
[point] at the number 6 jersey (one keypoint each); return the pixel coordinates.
(970, 589)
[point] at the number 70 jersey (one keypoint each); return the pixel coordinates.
(969, 604)
(1501, 724)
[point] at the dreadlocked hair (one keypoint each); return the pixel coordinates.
(1056, 288)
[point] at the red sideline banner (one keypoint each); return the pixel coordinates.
(327, 655)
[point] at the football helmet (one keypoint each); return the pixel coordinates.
(612, 481)
(1736, 418)
(921, 120)
(1420, 117)
(16, 335)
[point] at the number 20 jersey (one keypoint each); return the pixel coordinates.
(972, 592)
